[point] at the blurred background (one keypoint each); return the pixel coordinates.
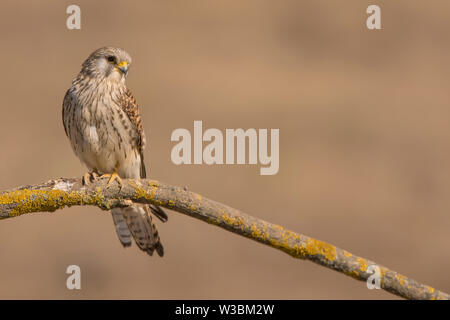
(364, 142)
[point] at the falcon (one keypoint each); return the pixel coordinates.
(102, 121)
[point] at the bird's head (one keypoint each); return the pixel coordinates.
(109, 63)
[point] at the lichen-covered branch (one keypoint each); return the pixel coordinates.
(57, 194)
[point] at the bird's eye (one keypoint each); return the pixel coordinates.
(111, 59)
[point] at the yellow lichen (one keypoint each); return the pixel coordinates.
(347, 254)
(212, 221)
(353, 274)
(142, 193)
(227, 219)
(232, 221)
(401, 279)
(153, 184)
(27, 201)
(293, 243)
(291, 248)
(256, 233)
(315, 247)
(362, 264)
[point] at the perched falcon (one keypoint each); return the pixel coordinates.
(102, 120)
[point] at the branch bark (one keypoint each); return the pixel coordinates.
(59, 193)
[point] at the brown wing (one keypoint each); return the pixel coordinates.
(130, 107)
(66, 105)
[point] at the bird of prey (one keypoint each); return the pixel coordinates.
(102, 120)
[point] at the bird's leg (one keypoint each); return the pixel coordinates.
(89, 177)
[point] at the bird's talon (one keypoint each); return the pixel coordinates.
(85, 179)
(89, 177)
(113, 177)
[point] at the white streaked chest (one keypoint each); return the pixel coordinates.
(101, 133)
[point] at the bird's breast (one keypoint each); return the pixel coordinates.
(101, 133)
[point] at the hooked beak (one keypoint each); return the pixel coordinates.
(123, 66)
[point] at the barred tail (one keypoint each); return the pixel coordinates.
(121, 227)
(138, 223)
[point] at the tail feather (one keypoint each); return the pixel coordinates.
(139, 223)
(121, 227)
(159, 213)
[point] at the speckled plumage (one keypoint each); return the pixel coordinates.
(102, 121)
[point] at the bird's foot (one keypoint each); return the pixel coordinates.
(113, 177)
(89, 177)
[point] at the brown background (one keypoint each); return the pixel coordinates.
(364, 142)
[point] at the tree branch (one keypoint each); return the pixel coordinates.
(57, 194)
